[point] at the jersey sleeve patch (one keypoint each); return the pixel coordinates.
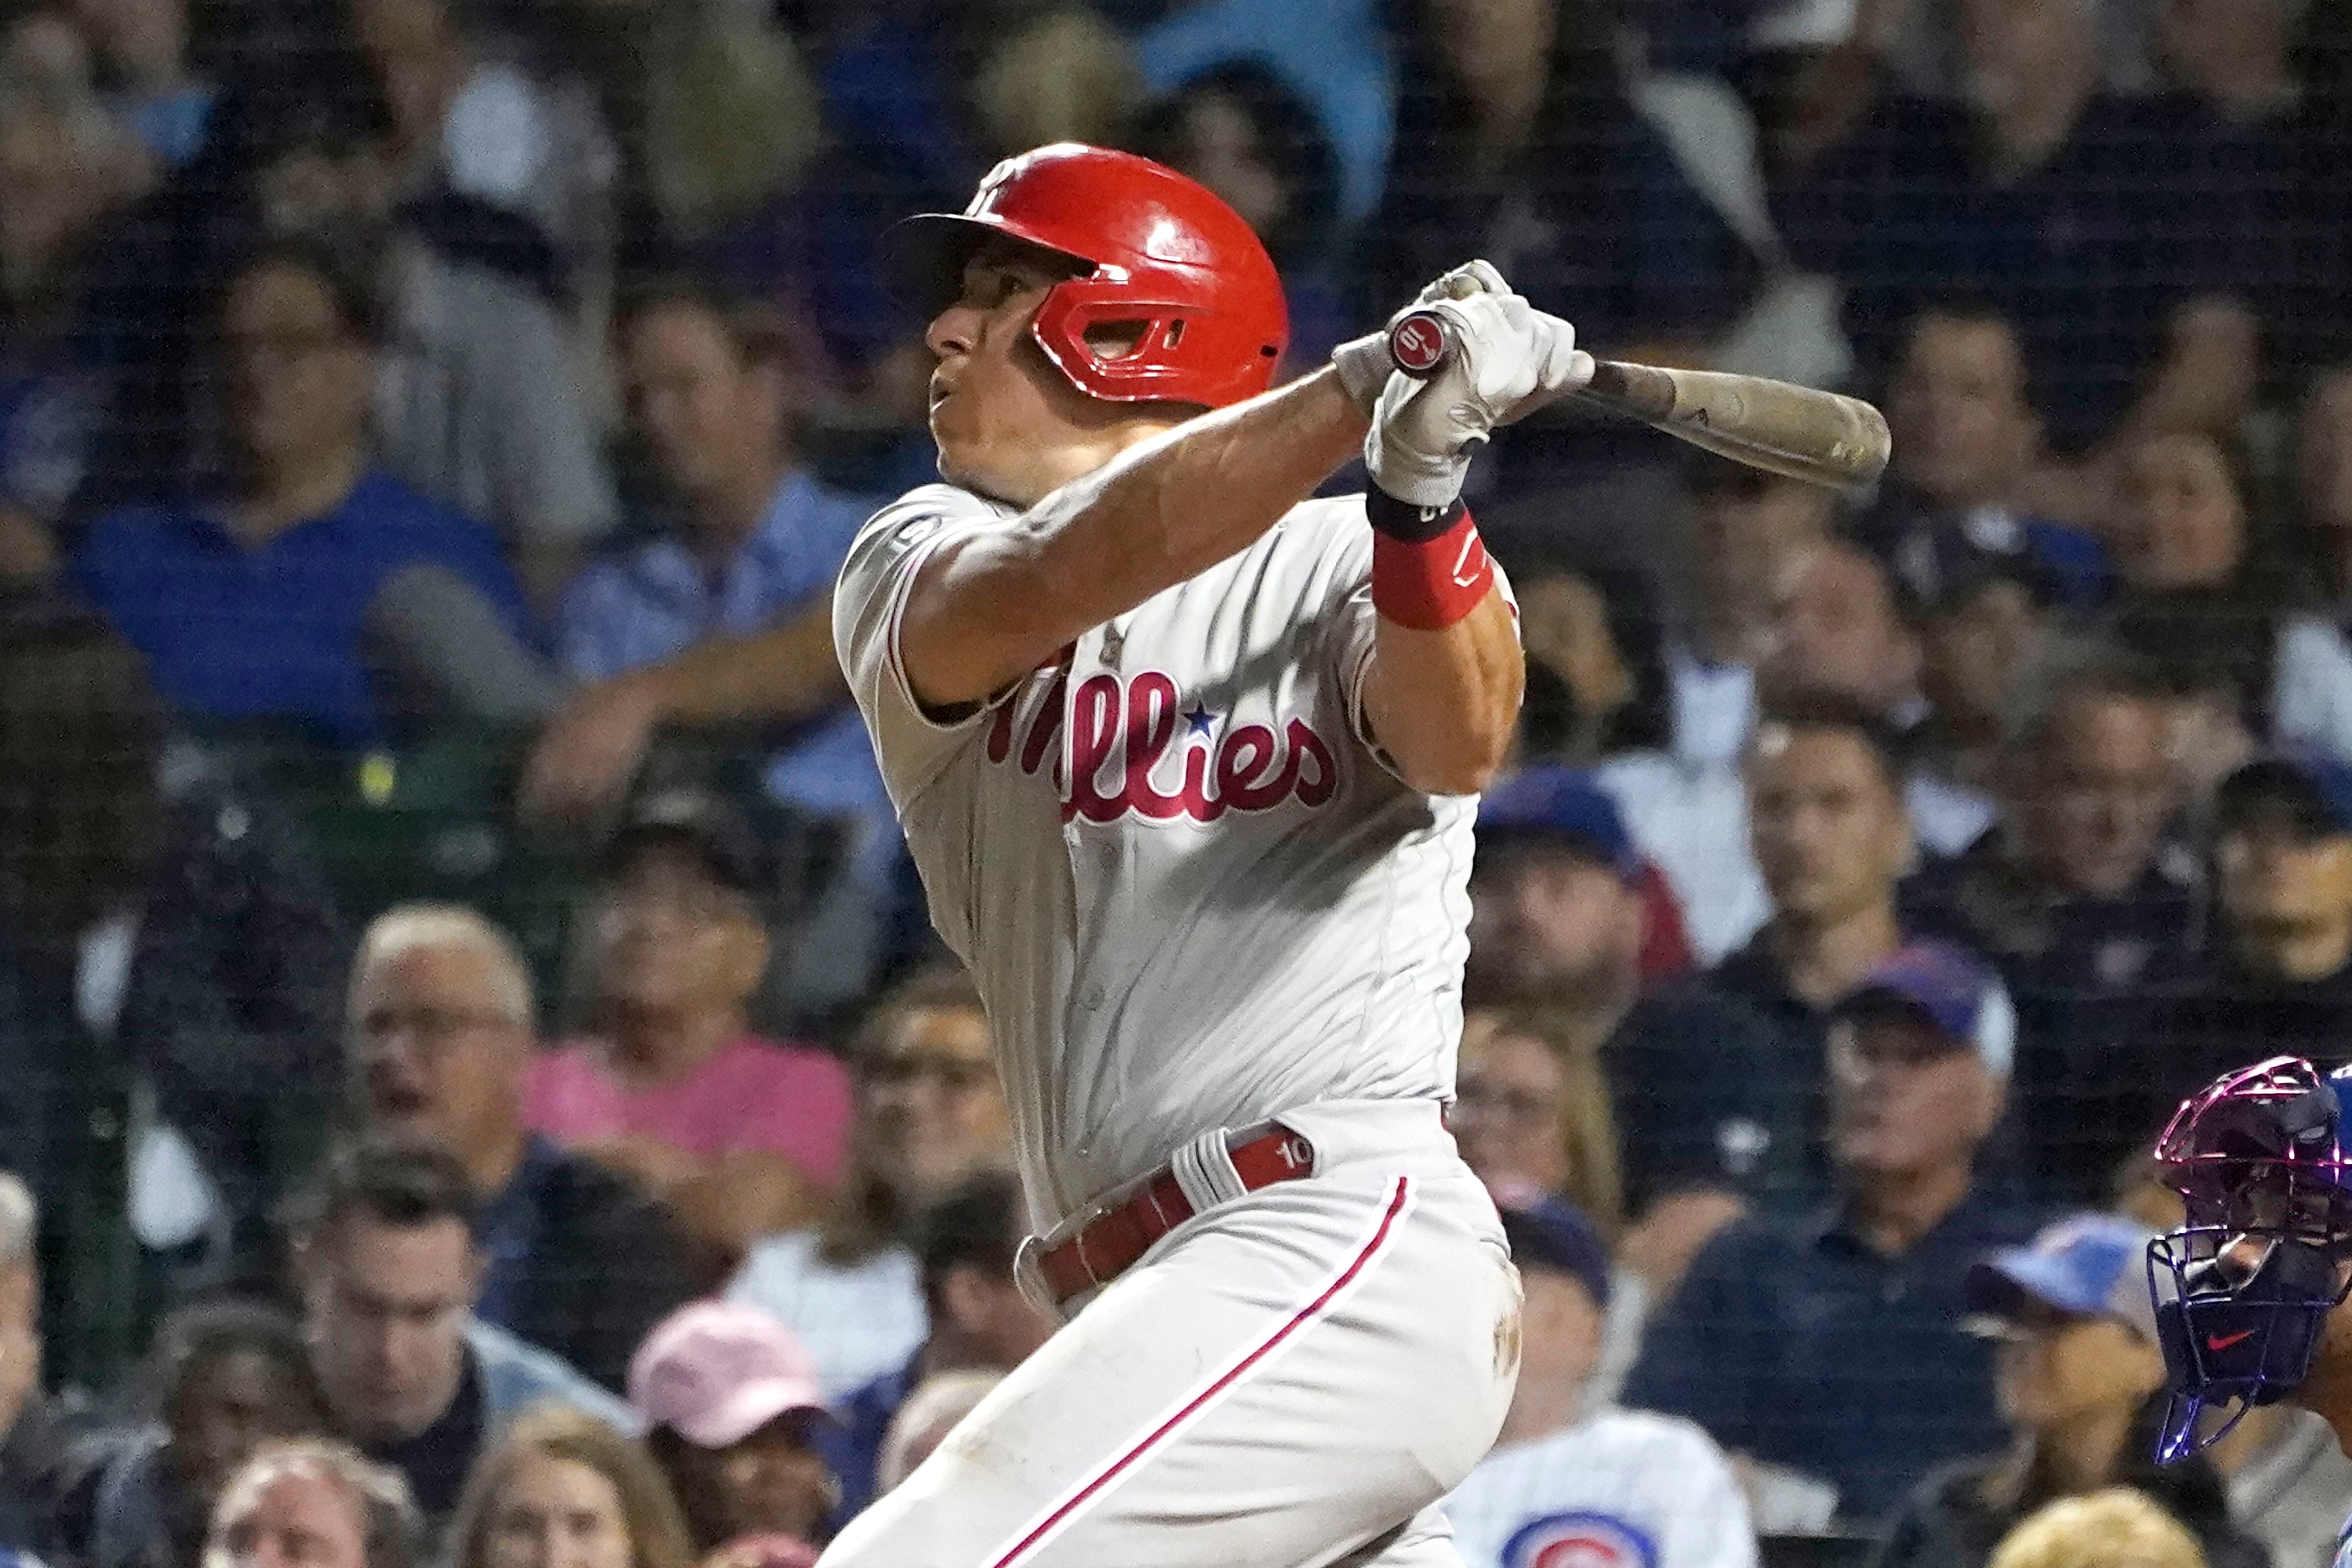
(911, 743)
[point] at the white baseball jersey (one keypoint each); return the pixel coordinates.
(1191, 892)
(1621, 1489)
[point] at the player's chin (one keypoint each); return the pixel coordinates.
(957, 461)
(967, 465)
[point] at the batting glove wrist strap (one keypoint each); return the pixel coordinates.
(1406, 522)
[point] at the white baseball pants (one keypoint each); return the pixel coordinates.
(1289, 1380)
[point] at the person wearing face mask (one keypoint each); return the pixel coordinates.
(928, 1112)
(2074, 1371)
(560, 1489)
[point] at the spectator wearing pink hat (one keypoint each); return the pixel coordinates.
(732, 1416)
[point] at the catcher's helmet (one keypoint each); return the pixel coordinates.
(2243, 1288)
(1159, 250)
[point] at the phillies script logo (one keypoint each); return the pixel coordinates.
(1133, 748)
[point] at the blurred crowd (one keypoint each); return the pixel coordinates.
(465, 1108)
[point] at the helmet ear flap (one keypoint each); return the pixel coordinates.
(1154, 368)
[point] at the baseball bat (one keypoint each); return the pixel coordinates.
(1797, 431)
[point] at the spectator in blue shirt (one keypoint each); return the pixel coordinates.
(264, 603)
(1831, 1342)
(753, 543)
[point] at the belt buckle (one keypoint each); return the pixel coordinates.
(1028, 1259)
(1029, 1276)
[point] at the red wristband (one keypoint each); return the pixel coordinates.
(1432, 585)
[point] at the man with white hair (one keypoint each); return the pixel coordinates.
(440, 1029)
(315, 1503)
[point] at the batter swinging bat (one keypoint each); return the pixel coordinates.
(1777, 425)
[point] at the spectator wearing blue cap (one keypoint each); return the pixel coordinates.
(1569, 1467)
(1829, 1342)
(1707, 1113)
(2077, 1376)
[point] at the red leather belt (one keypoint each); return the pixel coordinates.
(1108, 1245)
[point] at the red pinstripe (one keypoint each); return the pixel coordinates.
(1297, 1321)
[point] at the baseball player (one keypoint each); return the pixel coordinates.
(1188, 761)
(2250, 1290)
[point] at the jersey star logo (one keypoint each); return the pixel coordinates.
(1199, 719)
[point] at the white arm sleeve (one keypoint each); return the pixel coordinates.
(912, 745)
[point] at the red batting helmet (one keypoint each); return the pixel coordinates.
(1159, 249)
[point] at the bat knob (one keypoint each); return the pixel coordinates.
(1420, 343)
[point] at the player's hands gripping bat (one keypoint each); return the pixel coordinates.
(1505, 356)
(1365, 364)
(1798, 431)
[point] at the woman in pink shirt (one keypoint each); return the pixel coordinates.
(739, 1136)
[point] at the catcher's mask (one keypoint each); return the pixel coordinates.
(2242, 1289)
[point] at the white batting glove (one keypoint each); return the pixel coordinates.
(1507, 358)
(1363, 363)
